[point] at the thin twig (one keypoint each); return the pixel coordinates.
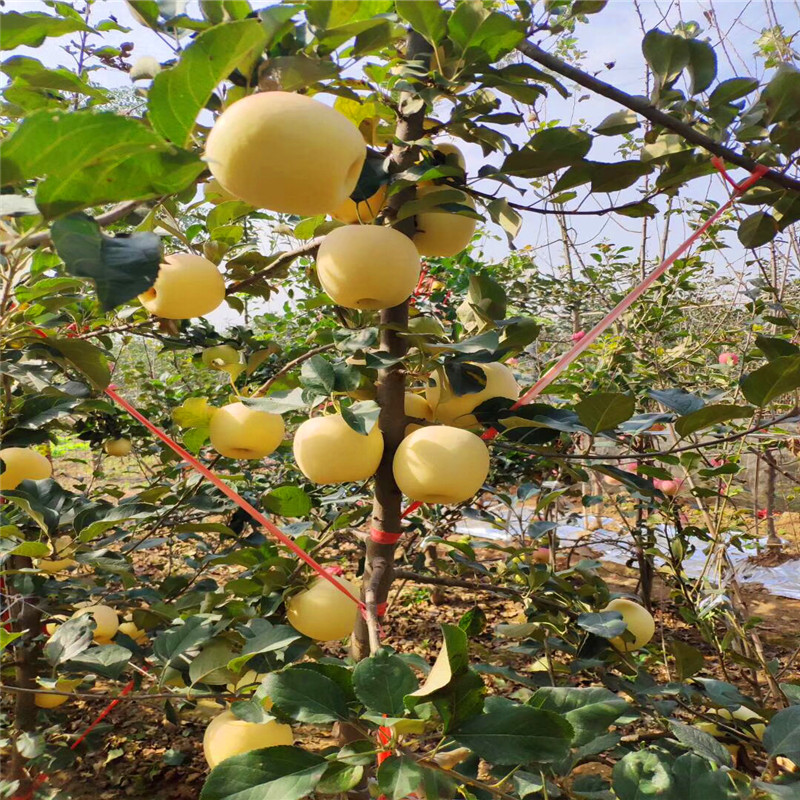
(279, 263)
(288, 367)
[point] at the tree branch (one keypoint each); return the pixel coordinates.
(657, 117)
(286, 368)
(283, 260)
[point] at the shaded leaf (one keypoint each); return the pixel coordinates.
(306, 696)
(642, 775)
(782, 737)
(121, 267)
(548, 151)
(666, 54)
(702, 743)
(702, 65)
(780, 376)
(32, 28)
(287, 501)
(382, 681)
(362, 416)
(607, 624)
(399, 776)
(711, 415)
(426, 18)
(603, 411)
(757, 229)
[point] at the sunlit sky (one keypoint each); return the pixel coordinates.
(611, 42)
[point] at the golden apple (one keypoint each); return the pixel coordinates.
(118, 447)
(367, 266)
(131, 630)
(416, 407)
(22, 464)
(63, 548)
(237, 431)
(186, 286)
(322, 612)
(286, 152)
(219, 356)
(227, 735)
(363, 212)
(106, 621)
(639, 621)
(457, 410)
(328, 450)
(441, 464)
(451, 153)
(441, 232)
(47, 697)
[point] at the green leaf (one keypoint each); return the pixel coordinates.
(688, 660)
(29, 72)
(481, 35)
(210, 665)
(178, 94)
(362, 416)
(613, 177)
(287, 501)
(666, 54)
(473, 622)
(306, 696)
(340, 778)
(30, 550)
(32, 28)
(90, 158)
(81, 355)
(757, 229)
(619, 122)
(607, 624)
(702, 65)
(782, 737)
(513, 734)
(71, 639)
(642, 775)
(177, 640)
(267, 639)
(773, 347)
(678, 400)
(297, 72)
(782, 95)
(278, 402)
(381, 681)
(702, 743)
(399, 776)
(732, 89)
(108, 660)
(780, 376)
(590, 710)
(505, 216)
(548, 151)
(317, 375)
(271, 773)
(428, 19)
(711, 415)
(121, 267)
(603, 411)
(696, 779)
(7, 638)
(588, 6)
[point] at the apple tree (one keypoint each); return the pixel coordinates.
(302, 166)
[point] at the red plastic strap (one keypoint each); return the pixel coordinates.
(635, 293)
(382, 537)
(380, 610)
(103, 714)
(271, 528)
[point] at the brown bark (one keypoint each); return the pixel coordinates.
(27, 619)
(387, 499)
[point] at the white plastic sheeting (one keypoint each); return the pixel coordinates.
(613, 545)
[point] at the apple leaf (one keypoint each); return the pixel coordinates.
(603, 411)
(32, 28)
(780, 376)
(178, 94)
(710, 415)
(121, 267)
(92, 158)
(362, 416)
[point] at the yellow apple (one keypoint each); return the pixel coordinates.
(363, 212)
(416, 407)
(106, 621)
(328, 450)
(47, 697)
(441, 464)
(62, 547)
(131, 630)
(144, 68)
(118, 447)
(322, 612)
(367, 266)
(186, 286)
(227, 735)
(237, 431)
(639, 620)
(286, 152)
(441, 232)
(22, 464)
(55, 621)
(219, 356)
(457, 410)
